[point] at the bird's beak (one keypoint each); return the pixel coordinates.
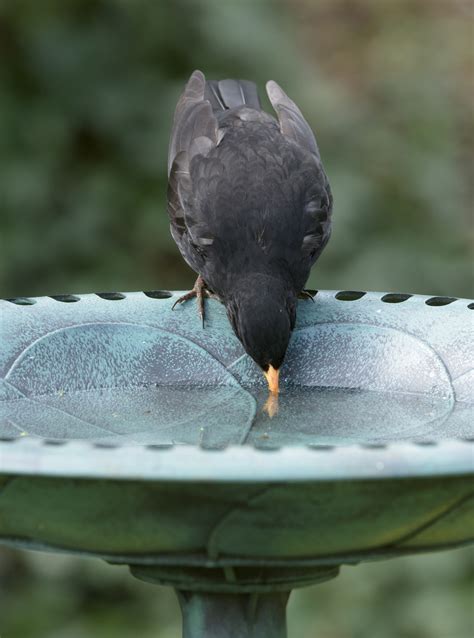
(272, 379)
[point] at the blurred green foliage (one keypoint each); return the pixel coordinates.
(87, 96)
(54, 596)
(87, 92)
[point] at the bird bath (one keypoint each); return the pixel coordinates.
(131, 434)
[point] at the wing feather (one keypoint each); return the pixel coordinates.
(193, 118)
(318, 207)
(195, 132)
(292, 123)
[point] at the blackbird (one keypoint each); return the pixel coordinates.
(250, 208)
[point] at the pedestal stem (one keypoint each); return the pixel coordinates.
(209, 615)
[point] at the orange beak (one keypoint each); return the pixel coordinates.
(272, 375)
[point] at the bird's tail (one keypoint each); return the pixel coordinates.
(230, 94)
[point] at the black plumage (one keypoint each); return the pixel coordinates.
(249, 205)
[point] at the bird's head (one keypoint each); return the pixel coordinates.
(262, 312)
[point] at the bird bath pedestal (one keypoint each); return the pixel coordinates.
(131, 434)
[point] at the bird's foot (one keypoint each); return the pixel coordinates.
(199, 291)
(306, 294)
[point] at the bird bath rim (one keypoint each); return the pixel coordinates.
(187, 463)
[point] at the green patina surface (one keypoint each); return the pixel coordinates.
(209, 522)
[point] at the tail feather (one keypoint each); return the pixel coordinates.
(213, 94)
(230, 94)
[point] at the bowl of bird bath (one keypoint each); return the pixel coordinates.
(131, 433)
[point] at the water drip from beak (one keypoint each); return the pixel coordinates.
(271, 405)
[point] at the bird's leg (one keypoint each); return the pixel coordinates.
(305, 294)
(199, 291)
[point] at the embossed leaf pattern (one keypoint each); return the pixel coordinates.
(125, 373)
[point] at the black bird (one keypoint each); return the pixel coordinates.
(250, 208)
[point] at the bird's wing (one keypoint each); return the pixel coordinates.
(316, 218)
(292, 123)
(193, 119)
(318, 206)
(194, 133)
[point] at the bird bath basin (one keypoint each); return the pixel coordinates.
(131, 434)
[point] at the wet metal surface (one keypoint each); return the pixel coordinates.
(124, 369)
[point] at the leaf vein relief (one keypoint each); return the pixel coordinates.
(435, 519)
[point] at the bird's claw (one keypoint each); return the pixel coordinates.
(199, 291)
(305, 294)
(189, 295)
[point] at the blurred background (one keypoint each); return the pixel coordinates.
(87, 93)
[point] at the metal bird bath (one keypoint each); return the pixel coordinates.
(131, 434)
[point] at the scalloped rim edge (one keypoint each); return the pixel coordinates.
(184, 463)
